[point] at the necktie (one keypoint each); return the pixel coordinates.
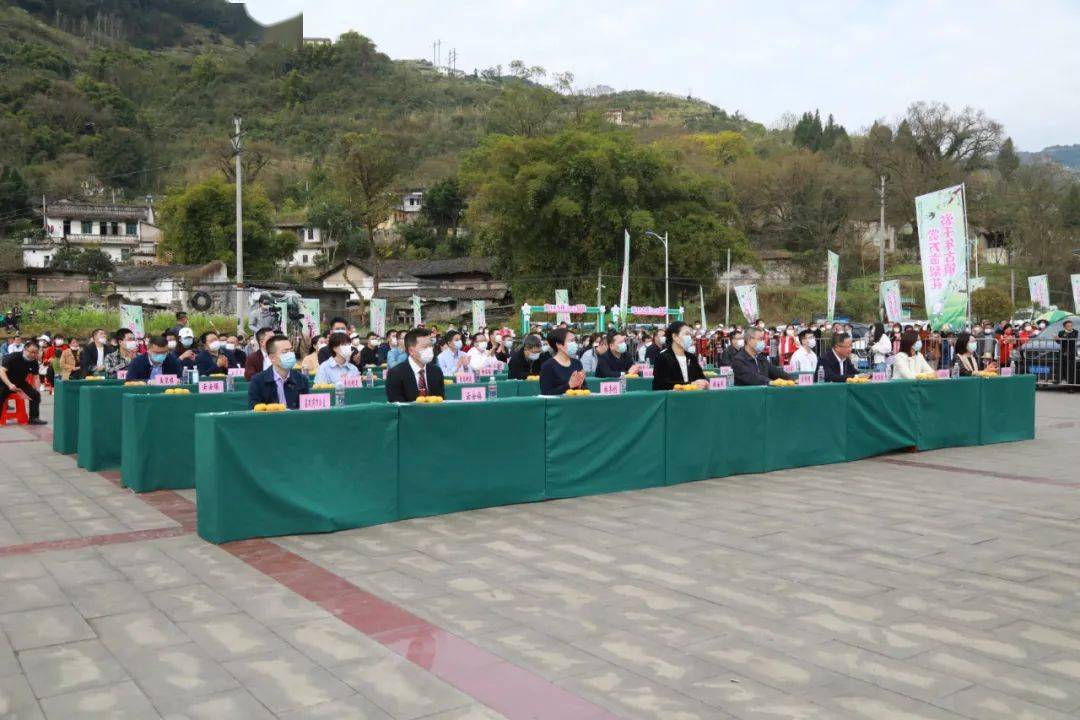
(421, 382)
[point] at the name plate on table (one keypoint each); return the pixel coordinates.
(789, 368)
(121, 374)
(500, 366)
(646, 372)
(877, 377)
(166, 380)
(211, 386)
(806, 379)
(943, 374)
(385, 374)
(718, 383)
(1005, 372)
(486, 371)
(315, 401)
(464, 378)
(610, 388)
(353, 381)
(473, 394)
(236, 372)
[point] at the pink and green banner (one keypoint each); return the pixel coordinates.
(1039, 288)
(747, 296)
(833, 272)
(1076, 291)
(890, 298)
(942, 220)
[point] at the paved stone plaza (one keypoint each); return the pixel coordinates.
(936, 585)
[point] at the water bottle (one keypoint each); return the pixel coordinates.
(622, 383)
(493, 389)
(888, 371)
(339, 395)
(185, 375)
(821, 374)
(1012, 364)
(194, 376)
(955, 372)
(370, 380)
(230, 383)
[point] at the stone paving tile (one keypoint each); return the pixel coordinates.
(177, 671)
(108, 598)
(130, 633)
(356, 707)
(30, 593)
(123, 701)
(549, 657)
(985, 704)
(231, 637)
(17, 699)
(400, 688)
(190, 602)
(230, 705)
(630, 695)
(67, 668)
(286, 680)
(49, 626)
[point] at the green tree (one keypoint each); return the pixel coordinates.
(66, 258)
(199, 226)
(1007, 159)
(122, 158)
(554, 208)
(14, 198)
(95, 263)
(991, 303)
(1070, 208)
(444, 205)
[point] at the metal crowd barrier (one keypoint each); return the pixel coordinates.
(1053, 361)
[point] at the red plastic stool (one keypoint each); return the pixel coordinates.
(18, 413)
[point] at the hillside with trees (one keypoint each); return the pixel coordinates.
(518, 162)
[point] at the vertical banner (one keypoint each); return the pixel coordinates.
(1039, 288)
(131, 317)
(976, 283)
(1076, 292)
(833, 272)
(624, 290)
(562, 297)
(377, 311)
(310, 317)
(479, 315)
(942, 221)
(747, 296)
(416, 317)
(701, 296)
(890, 298)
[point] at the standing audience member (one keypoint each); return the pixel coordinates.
(1068, 336)
(880, 347)
(93, 357)
(69, 361)
(14, 371)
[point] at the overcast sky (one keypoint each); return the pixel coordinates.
(861, 61)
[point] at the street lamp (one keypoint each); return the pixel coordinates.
(667, 289)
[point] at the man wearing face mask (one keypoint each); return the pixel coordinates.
(369, 353)
(281, 382)
(678, 364)
(187, 353)
(93, 356)
(213, 358)
(654, 350)
(238, 356)
(14, 370)
(528, 360)
(259, 361)
(805, 359)
(127, 348)
(733, 349)
(752, 366)
(419, 375)
(156, 361)
(451, 359)
(617, 359)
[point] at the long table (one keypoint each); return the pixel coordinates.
(66, 412)
(264, 474)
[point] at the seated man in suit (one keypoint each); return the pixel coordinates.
(419, 375)
(527, 360)
(94, 352)
(616, 360)
(837, 361)
(280, 383)
(258, 361)
(157, 360)
(751, 365)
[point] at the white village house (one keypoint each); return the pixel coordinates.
(310, 238)
(168, 285)
(126, 233)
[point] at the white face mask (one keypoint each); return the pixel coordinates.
(739, 343)
(230, 346)
(172, 344)
(481, 345)
(344, 351)
(426, 355)
(320, 346)
(813, 342)
(214, 346)
(130, 345)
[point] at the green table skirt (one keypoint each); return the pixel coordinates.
(66, 412)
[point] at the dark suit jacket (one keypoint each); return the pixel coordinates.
(667, 373)
(755, 370)
(401, 382)
(89, 357)
(207, 363)
(140, 366)
(653, 352)
(520, 367)
(263, 388)
(833, 371)
(254, 365)
(609, 366)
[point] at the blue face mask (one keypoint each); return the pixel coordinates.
(157, 358)
(457, 344)
(917, 346)
(759, 345)
(571, 348)
(688, 343)
(288, 360)
(620, 348)
(186, 341)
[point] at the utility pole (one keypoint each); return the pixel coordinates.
(237, 143)
(599, 287)
(667, 284)
(1012, 286)
(727, 292)
(881, 247)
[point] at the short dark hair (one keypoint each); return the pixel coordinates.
(449, 336)
(674, 328)
(907, 341)
(180, 314)
(612, 334)
(158, 341)
(93, 332)
(532, 341)
(273, 342)
(31, 343)
(476, 335)
(208, 333)
(557, 337)
(372, 334)
(337, 339)
(804, 334)
(413, 335)
(261, 333)
(122, 333)
(335, 320)
(839, 338)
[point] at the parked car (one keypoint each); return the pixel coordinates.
(1044, 355)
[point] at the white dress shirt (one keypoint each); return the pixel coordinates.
(478, 359)
(804, 360)
(416, 371)
(682, 366)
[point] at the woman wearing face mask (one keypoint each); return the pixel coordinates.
(880, 347)
(337, 367)
(967, 356)
(910, 361)
(479, 354)
(69, 361)
(589, 355)
(678, 363)
(788, 345)
(127, 348)
(397, 353)
(502, 348)
(50, 360)
(805, 359)
(562, 371)
(310, 364)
